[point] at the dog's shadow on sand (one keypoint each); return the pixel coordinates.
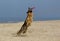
(22, 35)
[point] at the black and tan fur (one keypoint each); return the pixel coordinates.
(27, 22)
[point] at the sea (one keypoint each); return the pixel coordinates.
(17, 19)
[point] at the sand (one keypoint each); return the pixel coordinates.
(38, 31)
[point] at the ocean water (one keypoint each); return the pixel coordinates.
(15, 10)
(17, 19)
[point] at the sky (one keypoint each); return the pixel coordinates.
(16, 9)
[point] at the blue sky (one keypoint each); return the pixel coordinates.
(44, 9)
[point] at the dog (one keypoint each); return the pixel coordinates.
(27, 22)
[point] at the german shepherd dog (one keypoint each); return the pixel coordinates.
(27, 22)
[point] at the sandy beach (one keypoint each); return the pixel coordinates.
(38, 31)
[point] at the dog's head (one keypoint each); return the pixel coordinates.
(30, 10)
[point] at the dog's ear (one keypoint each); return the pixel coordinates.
(33, 8)
(29, 10)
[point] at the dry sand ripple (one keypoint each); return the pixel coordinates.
(38, 31)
